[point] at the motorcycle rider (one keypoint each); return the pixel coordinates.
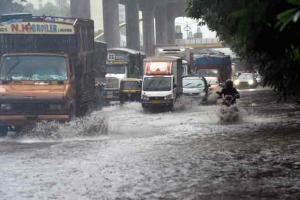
(229, 90)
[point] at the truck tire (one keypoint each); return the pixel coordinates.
(3, 131)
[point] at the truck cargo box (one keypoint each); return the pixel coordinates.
(158, 68)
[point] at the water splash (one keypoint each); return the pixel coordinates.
(90, 126)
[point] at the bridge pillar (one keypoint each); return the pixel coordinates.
(111, 23)
(171, 15)
(132, 24)
(161, 24)
(171, 30)
(148, 27)
(81, 9)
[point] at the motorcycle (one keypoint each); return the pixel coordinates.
(229, 112)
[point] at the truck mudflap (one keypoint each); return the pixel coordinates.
(19, 120)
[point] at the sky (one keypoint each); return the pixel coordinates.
(193, 24)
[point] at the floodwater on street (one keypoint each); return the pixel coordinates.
(123, 152)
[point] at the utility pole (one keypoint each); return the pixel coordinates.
(187, 29)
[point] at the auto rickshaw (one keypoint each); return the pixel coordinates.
(130, 90)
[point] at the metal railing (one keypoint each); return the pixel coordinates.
(198, 42)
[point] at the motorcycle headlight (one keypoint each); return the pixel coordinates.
(170, 96)
(144, 97)
(236, 82)
(251, 82)
(6, 107)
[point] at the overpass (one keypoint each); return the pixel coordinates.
(158, 21)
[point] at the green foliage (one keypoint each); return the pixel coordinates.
(290, 15)
(263, 31)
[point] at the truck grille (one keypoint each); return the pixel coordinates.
(156, 98)
(31, 109)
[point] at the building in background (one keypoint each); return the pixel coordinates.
(199, 33)
(178, 32)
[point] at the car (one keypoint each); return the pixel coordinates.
(245, 80)
(195, 87)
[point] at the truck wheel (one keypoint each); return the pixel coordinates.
(3, 131)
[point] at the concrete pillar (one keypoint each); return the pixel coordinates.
(161, 24)
(132, 24)
(171, 15)
(171, 30)
(81, 9)
(111, 23)
(148, 30)
(147, 7)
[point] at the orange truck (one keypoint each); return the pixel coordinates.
(46, 69)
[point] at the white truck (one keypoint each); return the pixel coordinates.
(162, 82)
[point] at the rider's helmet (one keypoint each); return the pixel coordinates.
(229, 84)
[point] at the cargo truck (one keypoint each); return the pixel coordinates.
(186, 54)
(162, 82)
(209, 65)
(46, 71)
(122, 63)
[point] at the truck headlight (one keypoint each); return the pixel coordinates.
(236, 82)
(251, 82)
(170, 96)
(6, 106)
(144, 97)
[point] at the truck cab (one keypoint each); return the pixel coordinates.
(117, 70)
(35, 86)
(162, 82)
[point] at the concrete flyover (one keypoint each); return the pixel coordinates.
(158, 21)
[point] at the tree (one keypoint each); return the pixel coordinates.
(255, 30)
(9, 6)
(49, 9)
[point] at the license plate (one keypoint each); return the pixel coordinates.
(156, 102)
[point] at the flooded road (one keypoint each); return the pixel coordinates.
(125, 153)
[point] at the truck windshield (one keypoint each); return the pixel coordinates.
(115, 69)
(33, 68)
(157, 84)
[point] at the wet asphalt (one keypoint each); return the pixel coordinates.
(122, 152)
